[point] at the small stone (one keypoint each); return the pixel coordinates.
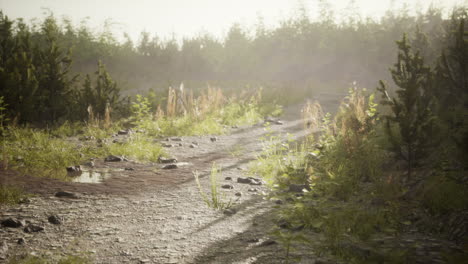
(278, 202)
(12, 222)
(55, 219)
(278, 122)
(24, 200)
(254, 181)
(243, 180)
(230, 211)
(90, 164)
(193, 146)
(195, 143)
(114, 158)
(170, 167)
(76, 168)
(227, 186)
(124, 132)
(176, 139)
(31, 228)
(267, 243)
(63, 194)
(145, 260)
(253, 240)
(129, 169)
(21, 241)
(165, 145)
(239, 194)
(213, 139)
(228, 178)
(167, 160)
(180, 145)
(252, 190)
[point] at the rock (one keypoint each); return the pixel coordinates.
(195, 143)
(24, 200)
(170, 167)
(253, 240)
(278, 122)
(230, 211)
(267, 243)
(278, 202)
(180, 145)
(249, 180)
(227, 186)
(12, 222)
(255, 181)
(129, 169)
(21, 241)
(63, 194)
(193, 146)
(239, 194)
(31, 228)
(228, 178)
(116, 141)
(114, 158)
(165, 145)
(76, 168)
(273, 121)
(213, 139)
(252, 190)
(55, 219)
(90, 164)
(243, 180)
(177, 139)
(167, 160)
(124, 132)
(298, 188)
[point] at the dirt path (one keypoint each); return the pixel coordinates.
(152, 215)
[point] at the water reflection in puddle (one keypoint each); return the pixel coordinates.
(93, 176)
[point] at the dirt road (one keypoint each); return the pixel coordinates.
(146, 214)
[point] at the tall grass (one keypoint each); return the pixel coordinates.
(186, 114)
(214, 199)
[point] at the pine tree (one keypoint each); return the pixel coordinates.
(55, 82)
(410, 126)
(452, 88)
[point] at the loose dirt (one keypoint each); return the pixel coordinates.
(154, 215)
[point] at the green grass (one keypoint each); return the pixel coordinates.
(139, 147)
(11, 194)
(214, 200)
(41, 153)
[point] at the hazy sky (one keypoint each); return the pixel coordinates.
(190, 17)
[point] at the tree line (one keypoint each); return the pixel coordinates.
(48, 70)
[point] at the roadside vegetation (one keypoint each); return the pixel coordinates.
(384, 170)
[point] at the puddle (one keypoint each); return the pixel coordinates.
(93, 176)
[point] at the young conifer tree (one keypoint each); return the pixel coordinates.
(410, 125)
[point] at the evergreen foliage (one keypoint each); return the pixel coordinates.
(411, 125)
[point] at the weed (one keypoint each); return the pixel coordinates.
(215, 200)
(10, 194)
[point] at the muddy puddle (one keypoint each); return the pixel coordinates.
(94, 175)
